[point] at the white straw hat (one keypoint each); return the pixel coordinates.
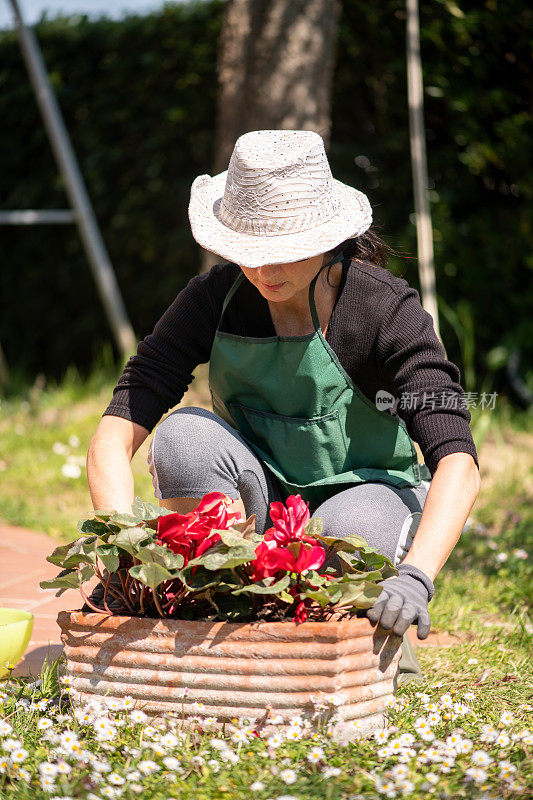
(277, 202)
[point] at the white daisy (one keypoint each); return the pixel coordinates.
(477, 774)
(406, 787)
(47, 769)
(480, 758)
(172, 763)
(294, 732)
(315, 754)
(11, 744)
(19, 755)
(137, 715)
(502, 740)
(147, 767)
(288, 776)
(331, 772)
(116, 779)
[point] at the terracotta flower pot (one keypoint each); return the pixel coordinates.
(233, 669)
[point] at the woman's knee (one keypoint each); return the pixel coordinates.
(184, 431)
(187, 447)
(384, 516)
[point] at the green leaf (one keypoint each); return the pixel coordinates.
(234, 538)
(388, 571)
(335, 595)
(83, 552)
(286, 597)
(205, 579)
(68, 579)
(220, 556)
(95, 526)
(148, 511)
(263, 588)
(230, 537)
(130, 539)
(320, 596)
(355, 577)
(351, 564)
(315, 578)
(232, 608)
(125, 520)
(348, 544)
(151, 575)
(80, 551)
(360, 594)
(246, 528)
(159, 554)
(104, 513)
(375, 560)
(314, 527)
(109, 555)
(58, 556)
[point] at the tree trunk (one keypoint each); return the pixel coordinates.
(275, 71)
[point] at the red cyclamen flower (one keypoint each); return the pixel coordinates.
(190, 534)
(271, 559)
(300, 613)
(289, 521)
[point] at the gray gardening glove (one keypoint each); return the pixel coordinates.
(403, 601)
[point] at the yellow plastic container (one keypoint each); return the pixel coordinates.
(15, 632)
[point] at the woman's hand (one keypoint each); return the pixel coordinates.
(404, 601)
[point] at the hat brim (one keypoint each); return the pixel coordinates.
(353, 218)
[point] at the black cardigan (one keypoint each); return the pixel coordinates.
(382, 336)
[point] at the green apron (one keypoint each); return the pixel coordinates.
(298, 409)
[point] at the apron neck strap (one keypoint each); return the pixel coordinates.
(235, 285)
(312, 305)
(314, 315)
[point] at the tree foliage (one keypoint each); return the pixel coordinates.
(138, 96)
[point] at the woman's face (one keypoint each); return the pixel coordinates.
(280, 282)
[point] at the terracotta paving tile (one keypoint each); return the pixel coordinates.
(22, 565)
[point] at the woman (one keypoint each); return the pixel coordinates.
(299, 355)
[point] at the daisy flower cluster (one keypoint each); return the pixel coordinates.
(436, 745)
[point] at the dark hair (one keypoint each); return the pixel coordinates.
(367, 247)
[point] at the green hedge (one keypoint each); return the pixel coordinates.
(479, 126)
(138, 97)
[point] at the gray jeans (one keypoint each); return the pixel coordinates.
(193, 452)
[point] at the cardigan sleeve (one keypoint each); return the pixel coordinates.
(425, 383)
(158, 375)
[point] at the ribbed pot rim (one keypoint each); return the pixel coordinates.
(88, 618)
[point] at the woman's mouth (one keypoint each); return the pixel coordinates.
(273, 286)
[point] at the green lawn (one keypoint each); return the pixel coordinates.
(44, 431)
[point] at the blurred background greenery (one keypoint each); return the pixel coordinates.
(138, 97)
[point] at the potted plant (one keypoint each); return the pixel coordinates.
(197, 613)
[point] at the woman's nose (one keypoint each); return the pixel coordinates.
(267, 275)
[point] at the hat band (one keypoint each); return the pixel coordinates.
(276, 225)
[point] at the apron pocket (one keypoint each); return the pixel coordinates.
(298, 450)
